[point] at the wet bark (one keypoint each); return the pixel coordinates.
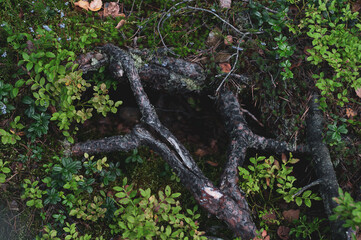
(227, 202)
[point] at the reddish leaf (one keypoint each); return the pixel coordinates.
(213, 164)
(283, 232)
(291, 215)
(228, 40)
(284, 158)
(226, 67)
(350, 113)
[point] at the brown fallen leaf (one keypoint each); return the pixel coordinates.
(228, 40)
(120, 24)
(350, 112)
(283, 232)
(95, 5)
(291, 215)
(200, 152)
(82, 4)
(225, 67)
(358, 92)
(213, 164)
(112, 9)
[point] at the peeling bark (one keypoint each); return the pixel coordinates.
(227, 202)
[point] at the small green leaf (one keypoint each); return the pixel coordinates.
(25, 56)
(29, 66)
(50, 54)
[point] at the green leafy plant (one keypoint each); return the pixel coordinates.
(266, 174)
(331, 26)
(6, 91)
(3, 170)
(334, 133)
(284, 50)
(304, 229)
(39, 127)
(147, 216)
(91, 211)
(134, 158)
(12, 136)
(59, 217)
(33, 191)
(348, 210)
(70, 232)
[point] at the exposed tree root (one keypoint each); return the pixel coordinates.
(323, 166)
(227, 201)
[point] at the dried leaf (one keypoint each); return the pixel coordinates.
(291, 215)
(358, 92)
(95, 5)
(356, 6)
(284, 158)
(213, 164)
(228, 40)
(277, 164)
(220, 57)
(214, 144)
(200, 152)
(112, 9)
(225, 67)
(120, 24)
(350, 113)
(283, 232)
(225, 3)
(214, 37)
(82, 4)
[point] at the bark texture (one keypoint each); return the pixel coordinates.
(226, 201)
(323, 166)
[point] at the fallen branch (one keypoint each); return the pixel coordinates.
(227, 202)
(323, 166)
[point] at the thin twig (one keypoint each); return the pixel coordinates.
(318, 181)
(234, 66)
